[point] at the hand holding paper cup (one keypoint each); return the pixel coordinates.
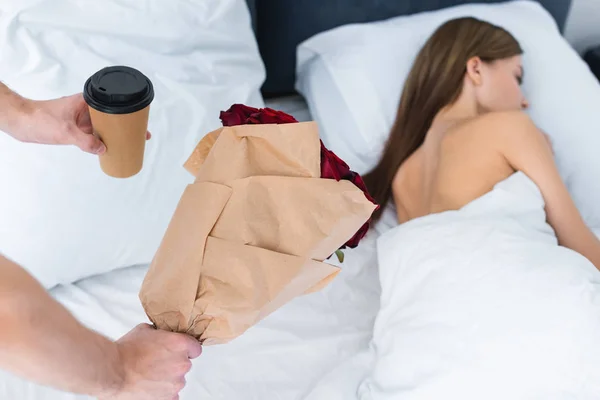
(269, 204)
(119, 100)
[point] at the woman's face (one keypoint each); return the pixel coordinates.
(497, 84)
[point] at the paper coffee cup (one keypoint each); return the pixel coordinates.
(119, 100)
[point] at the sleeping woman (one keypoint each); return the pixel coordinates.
(460, 129)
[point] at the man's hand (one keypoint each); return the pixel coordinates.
(61, 121)
(155, 363)
(65, 121)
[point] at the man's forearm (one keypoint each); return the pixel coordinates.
(12, 109)
(40, 339)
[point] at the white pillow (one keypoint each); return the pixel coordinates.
(352, 78)
(60, 216)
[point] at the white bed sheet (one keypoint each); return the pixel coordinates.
(283, 357)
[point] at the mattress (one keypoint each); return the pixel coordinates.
(283, 357)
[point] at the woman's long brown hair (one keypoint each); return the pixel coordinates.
(434, 82)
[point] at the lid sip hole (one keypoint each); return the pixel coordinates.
(101, 88)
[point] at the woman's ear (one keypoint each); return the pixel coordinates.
(474, 65)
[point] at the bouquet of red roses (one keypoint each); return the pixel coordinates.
(269, 204)
(332, 167)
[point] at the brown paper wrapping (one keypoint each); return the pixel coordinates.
(251, 233)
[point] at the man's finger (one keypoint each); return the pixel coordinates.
(145, 326)
(89, 143)
(194, 348)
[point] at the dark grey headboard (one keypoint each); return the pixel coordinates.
(281, 25)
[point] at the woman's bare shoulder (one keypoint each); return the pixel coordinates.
(498, 129)
(505, 123)
(498, 121)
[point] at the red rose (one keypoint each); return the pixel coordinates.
(332, 167)
(239, 114)
(358, 181)
(270, 116)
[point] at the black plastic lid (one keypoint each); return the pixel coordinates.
(118, 90)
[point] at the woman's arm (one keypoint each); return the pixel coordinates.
(527, 149)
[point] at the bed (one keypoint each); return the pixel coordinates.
(318, 347)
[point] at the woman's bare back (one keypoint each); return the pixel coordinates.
(456, 166)
(453, 167)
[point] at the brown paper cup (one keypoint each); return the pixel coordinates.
(125, 138)
(119, 101)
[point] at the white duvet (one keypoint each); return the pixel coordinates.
(481, 303)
